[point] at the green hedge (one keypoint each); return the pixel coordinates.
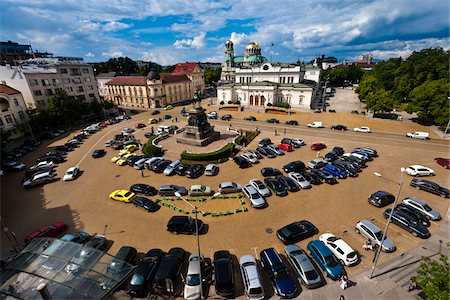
(283, 105)
(150, 150)
(224, 152)
(245, 139)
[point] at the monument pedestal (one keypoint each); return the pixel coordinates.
(198, 132)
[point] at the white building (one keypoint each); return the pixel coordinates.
(102, 79)
(13, 112)
(38, 79)
(254, 81)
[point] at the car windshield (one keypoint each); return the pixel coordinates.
(127, 194)
(137, 280)
(379, 235)
(255, 196)
(427, 208)
(260, 185)
(331, 261)
(69, 172)
(193, 279)
(311, 275)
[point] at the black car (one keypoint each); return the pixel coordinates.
(194, 171)
(295, 166)
(166, 117)
(134, 158)
(13, 165)
(143, 276)
(330, 156)
(28, 148)
(276, 186)
(290, 142)
(242, 162)
(264, 142)
(118, 146)
(145, 203)
(181, 169)
(155, 164)
(33, 143)
(311, 177)
(161, 166)
(270, 172)
(98, 242)
(223, 273)
(273, 121)
(431, 187)
(226, 117)
(98, 153)
(63, 148)
(414, 213)
(155, 112)
(52, 158)
(347, 169)
(183, 224)
(325, 176)
(339, 127)
(354, 159)
(296, 232)
(56, 153)
(170, 189)
(381, 199)
(142, 188)
(149, 134)
(71, 146)
(120, 265)
(291, 122)
(266, 152)
(169, 270)
(408, 223)
(250, 118)
(288, 183)
(338, 150)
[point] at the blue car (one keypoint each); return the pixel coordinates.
(335, 171)
(325, 259)
(272, 263)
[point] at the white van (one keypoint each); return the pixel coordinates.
(419, 135)
(316, 124)
(163, 128)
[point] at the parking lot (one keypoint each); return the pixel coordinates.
(84, 203)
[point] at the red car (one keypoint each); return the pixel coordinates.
(318, 146)
(139, 125)
(445, 162)
(47, 231)
(285, 147)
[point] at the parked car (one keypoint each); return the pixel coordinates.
(181, 169)
(338, 127)
(312, 177)
(264, 142)
(47, 231)
(227, 117)
(330, 156)
(292, 122)
(52, 158)
(275, 149)
(142, 188)
(42, 164)
(288, 183)
(72, 173)
(270, 172)
(229, 187)
(200, 190)
(273, 121)
(325, 176)
(253, 288)
(296, 232)
(145, 203)
(98, 153)
(266, 152)
(343, 252)
(362, 129)
(253, 196)
(38, 179)
(316, 163)
(169, 270)
(353, 159)
(122, 195)
(242, 162)
(422, 207)
(13, 166)
(194, 171)
(285, 286)
(224, 273)
(211, 170)
(250, 158)
(184, 225)
(170, 169)
(431, 187)
(170, 189)
(254, 153)
(250, 118)
(318, 146)
(325, 259)
(407, 222)
(260, 187)
(381, 199)
(290, 142)
(120, 265)
(371, 151)
(445, 162)
(306, 272)
(193, 280)
(418, 170)
(375, 235)
(160, 167)
(275, 186)
(418, 215)
(300, 180)
(98, 241)
(346, 169)
(338, 151)
(139, 125)
(335, 171)
(79, 237)
(144, 274)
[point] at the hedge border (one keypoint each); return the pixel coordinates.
(223, 152)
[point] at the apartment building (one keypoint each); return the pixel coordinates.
(13, 112)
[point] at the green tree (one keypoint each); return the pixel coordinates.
(212, 75)
(380, 101)
(433, 277)
(369, 84)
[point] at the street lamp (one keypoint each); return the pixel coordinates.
(378, 250)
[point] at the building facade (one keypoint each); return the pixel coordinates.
(13, 114)
(11, 53)
(102, 79)
(254, 81)
(194, 72)
(155, 90)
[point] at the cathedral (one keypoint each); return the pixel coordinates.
(253, 80)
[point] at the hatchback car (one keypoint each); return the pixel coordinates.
(284, 285)
(418, 170)
(260, 187)
(223, 273)
(325, 259)
(98, 153)
(422, 207)
(343, 252)
(375, 235)
(445, 162)
(169, 270)
(296, 232)
(318, 146)
(253, 288)
(72, 173)
(143, 276)
(270, 172)
(381, 199)
(183, 224)
(122, 195)
(431, 187)
(253, 196)
(242, 162)
(192, 282)
(407, 222)
(211, 170)
(229, 187)
(275, 186)
(145, 203)
(295, 166)
(306, 272)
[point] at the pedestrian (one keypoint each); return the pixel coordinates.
(344, 282)
(275, 132)
(256, 129)
(341, 297)
(153, 130)
(318, 154)
(176, 119)
(284, 131)
(368, 245)
(412, 284)
(142, 173)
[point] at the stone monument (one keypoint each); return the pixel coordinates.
(198, 132)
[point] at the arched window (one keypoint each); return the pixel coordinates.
(155, 92)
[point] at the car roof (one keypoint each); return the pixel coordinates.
(339, 242)
(194, 264)
(369, 225)
(415, 200)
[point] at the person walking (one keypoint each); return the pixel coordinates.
(284, 131)
(275, 132)
(142, 173)
(344, 282)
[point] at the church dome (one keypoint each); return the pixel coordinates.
(153, 75)
(229, 42)
(252, 45)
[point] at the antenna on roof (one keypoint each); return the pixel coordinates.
(271, 52)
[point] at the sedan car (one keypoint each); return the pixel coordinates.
(318, 146)
(194, 171)
(145, 203)
(300, 180)
(250, 118)
(312, 177)
(260, 187)
(193, 279)
(325, 176)
(422, 207)
(122, 195)
(338, 127)
(47, 231)
(418, 215)
(143, 276)
(266, 152)
(229, 187)
(72, 173)
(227, 117)
(306, 272)
(381, 199)
(200, 190)
(253, 196)
(288, 183)
(242, 162)
(431, 187)
(407, 222)
(375, 235)
(139, 125)
(98, 153)
(418, 170)
(264, 142)
(270, 172)
(285, 147)
(292, 122)
(141, 188)
(273, 121)
(276, 186)
(317, 163)
(445, 162)
(343, 252)
(275, 149)
(43, 164)
(296, 232)
(362, 129)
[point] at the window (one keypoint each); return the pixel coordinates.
(1, 122)
(70, 89)
(87, 79)
(9, 119)
(37, 93)
(76, 80)
(45, 82)
(48, 92)
(80, 89)
(90, 87)
(66, 80)
(63, 71)
(75, 71)
(56, 81)
(33, 82)
(16, 103)
(85, 70)
(91, 96)
(21, 115)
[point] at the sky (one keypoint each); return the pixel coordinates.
(172, 31)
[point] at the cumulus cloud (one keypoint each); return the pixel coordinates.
(89, 54)
(116, 26)
(113, 53)
(161, 56)
(238, 38)
(195, 43)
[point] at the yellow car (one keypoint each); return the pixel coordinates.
(116, 158)
(152, 121)
(128, 149)
(122, 195)
(168, 107)
(123, 160)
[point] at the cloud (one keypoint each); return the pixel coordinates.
(163, 57)
(113, 54)
(238, 38)
(195, 43)
(115, 26)
(89, 54)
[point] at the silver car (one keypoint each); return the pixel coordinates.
(275, 148)
(423, 207)
(374, 234)
(170, 169)
(307, 274)
(192, 283)
(211, 170)
(229, 187)
(260, 187)
(253, 288)
(300, 180)
(255, 198)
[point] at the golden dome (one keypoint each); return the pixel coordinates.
(252, 45)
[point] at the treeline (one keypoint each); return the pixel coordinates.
(343, 75)
(420, 83)
(124, 66)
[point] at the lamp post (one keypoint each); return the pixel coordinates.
(378, 250)
(195, 207)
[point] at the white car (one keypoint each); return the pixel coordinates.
(360, 156)
(253, 288)
(418, 170)
(211, 170)
(71, 174)
(340, 249)
(128, 130)
(74, 141)
(317, 163)
(43, 164)
(255, 198)
(193, 280)
(362, 129)
(298, 141)
(250, 158)
(316, 124)
(300, 180)
(422, 207)
(260, 187)
(170, 169)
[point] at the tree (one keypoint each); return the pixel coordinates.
(380, 100)
(368, 84)
(212, 75)
(433, 277)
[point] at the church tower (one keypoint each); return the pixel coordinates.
(227, 74)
